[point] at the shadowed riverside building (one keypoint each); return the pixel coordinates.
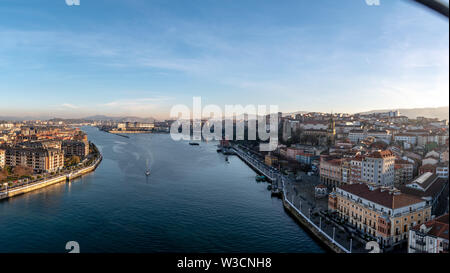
(384, 213)
(75, 148)
(38, 159)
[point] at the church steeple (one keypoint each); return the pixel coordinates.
(331, 132)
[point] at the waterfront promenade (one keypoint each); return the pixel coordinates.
(304, 208)
(10, 191)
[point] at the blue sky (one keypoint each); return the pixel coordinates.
(140, 57)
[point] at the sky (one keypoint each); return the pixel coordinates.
(141, 57)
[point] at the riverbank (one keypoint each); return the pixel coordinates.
(32, 186)
(274, 176)
(129, 132)
(311, 228)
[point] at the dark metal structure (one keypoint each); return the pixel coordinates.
(435, 5)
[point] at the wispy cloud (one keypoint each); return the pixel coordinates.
(137, 106)
(274, 54)
(136, 102)
(71, 106)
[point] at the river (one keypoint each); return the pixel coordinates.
(193, 201)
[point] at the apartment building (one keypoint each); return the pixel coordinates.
(45, 144)
(2, 158)
(378, 168)
(386, 214)
(440, 139)
(330, 171)
(442, 170)
(383, 135)
(356, 136)
(429, 237)
(75, 148)
(403, 172)
(292, 152)
(346, 170)
(408, 138)
(355, 169)
(306, 158)
(38, 159)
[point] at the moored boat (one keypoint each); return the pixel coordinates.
(260, 178)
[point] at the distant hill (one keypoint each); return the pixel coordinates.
(12, 118)
(437, 112)
(120, 119)
(295, 113)
(90, 118)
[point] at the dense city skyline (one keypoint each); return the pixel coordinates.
(137, 58)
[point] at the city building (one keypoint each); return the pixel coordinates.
(403, 172)
(406, 138)
(378, 168)
(330, 171)
(429, 237)
(428, 168)
(428, 187)
(306, 158)
(38, 159)
(271, 160)
(320, 191)
(135, 126)
(2, 158)
(75, 148)
(45, 144)
(444, 156)
(355, 169)
(356, 135)
(292, 152)
(346, 170)
(430, 160)
(442, 170)
(383, 135)
(383, 213)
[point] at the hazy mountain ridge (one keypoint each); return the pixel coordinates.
(430, 112)
(120, 119)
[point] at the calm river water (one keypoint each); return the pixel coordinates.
(193, 201)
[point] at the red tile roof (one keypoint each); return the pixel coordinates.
(439, 227)
(381, 197)
(381, 154)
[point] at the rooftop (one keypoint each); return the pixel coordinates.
(430, 186)
(437, 227)
(381, 154)
(381, 196)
